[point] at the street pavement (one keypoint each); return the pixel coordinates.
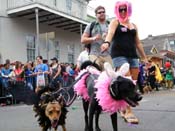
(156, 113)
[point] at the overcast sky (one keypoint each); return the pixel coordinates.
(154, 17)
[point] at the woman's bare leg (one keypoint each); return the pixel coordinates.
(128, 113)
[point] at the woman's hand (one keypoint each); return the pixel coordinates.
(145, 61)
(104, 47)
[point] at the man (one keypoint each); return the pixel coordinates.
(95, 37)
(83, 56)
(5, 76)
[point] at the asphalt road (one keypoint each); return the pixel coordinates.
(156, 113)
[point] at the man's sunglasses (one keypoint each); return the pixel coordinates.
(101, 12)
(122, 9)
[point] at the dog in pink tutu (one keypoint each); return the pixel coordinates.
(107, 91)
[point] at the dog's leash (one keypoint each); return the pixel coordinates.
(68, 92)
(98, 56)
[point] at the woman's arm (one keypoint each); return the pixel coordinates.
(112, 27)
(111, 31)
(139, 46)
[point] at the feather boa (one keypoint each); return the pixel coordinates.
(103, 96)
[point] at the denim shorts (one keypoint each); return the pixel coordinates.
(118, 61)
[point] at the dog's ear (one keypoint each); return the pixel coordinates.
(60, 100)
(46, 97)
(114, 90)
(43, 106)
(109, 70)
(123, 70)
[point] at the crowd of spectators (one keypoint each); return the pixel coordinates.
(55, 73)
(154, 76)
(63, 74)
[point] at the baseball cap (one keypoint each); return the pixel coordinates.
(54, 58)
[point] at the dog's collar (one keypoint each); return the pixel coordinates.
(112, 92)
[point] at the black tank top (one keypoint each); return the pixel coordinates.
(123, 43)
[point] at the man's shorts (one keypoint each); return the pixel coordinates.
(119, 61)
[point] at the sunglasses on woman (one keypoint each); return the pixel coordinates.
(122, 9)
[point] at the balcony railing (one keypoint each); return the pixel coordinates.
(74, 8)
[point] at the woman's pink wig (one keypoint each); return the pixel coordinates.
(129, 10)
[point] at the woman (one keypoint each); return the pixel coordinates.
(41, 72)
(124, 37)
(19, 71)
(56, 78)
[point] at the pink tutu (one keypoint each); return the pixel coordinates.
(80, 87)
(103, 96)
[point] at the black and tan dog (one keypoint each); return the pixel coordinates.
(51, 111)
(120, 88)
(50, 103)
(147, 88)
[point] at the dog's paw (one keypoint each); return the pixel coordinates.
(90, 129)
(86, 128)
(97, 129)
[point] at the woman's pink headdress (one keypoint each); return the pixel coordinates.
(129, 10)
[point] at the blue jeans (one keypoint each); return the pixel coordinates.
(119, 61)
(56, 81)
(5, 83)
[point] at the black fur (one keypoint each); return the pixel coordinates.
(89, 63)
(40, 107)
(121, 90)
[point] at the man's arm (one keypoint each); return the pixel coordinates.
(85, 39)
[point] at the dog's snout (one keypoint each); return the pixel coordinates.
(55, 120)
(138, 97)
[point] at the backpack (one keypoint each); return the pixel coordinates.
(90, 35)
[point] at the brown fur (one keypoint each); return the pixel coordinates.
(147, 89)
(51, 112)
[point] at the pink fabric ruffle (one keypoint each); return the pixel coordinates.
(80, 87)
(103, 96)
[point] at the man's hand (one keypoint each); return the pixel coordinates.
(96, 37)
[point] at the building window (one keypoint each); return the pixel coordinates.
(30, 48)
(69, 5)
(71, 53)
(172, 44)
(57, 50)
(81, 10)
(55, 2)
